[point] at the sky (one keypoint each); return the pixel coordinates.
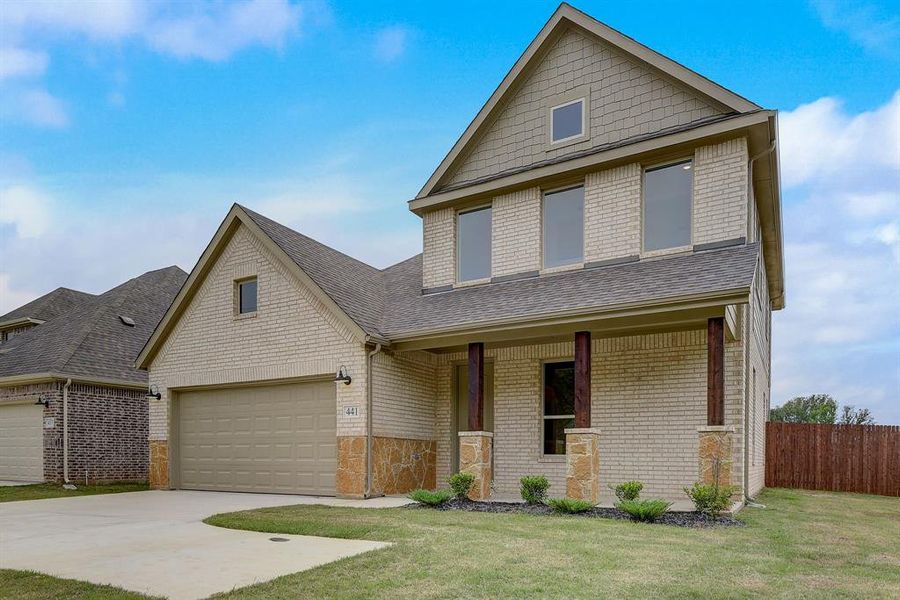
(128, 128)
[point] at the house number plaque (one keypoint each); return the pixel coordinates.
(351, 411)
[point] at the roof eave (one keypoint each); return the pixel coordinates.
(31, 378)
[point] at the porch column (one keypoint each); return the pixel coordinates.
(476, 445)
(583, 441)
(715, 439)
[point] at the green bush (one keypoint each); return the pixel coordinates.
(534, 489)
(628, 490)
(569, 506)
(710, 499)
(430, 498)
(644, 510)
(460, 484)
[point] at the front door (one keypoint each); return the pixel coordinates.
(461, 406)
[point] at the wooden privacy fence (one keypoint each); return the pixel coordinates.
(840, 458)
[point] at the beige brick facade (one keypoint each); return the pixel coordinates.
(516, 233)
(720, 192)
(626, 99)
(612, 213)
(439, 248)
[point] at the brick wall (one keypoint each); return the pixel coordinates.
(627, 99)
(612, 213)
(107, 431)
(516, 232)
(649, 398)
(759, 390)
(720, 191)
(403, 395)
(293, 335)
(438, 248)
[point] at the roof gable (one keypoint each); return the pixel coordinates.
(632, 90)
(48, 306)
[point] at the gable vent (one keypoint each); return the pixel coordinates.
(127, 320)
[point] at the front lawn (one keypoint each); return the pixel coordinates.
(805, 544)
(38, 491)
(28, 585)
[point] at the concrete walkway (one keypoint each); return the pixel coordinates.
(155, 542)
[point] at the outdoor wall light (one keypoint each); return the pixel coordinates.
(153, 392)
(343, 375)
(45, 402)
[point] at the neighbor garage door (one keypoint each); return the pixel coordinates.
(21, 442)
(278, 438)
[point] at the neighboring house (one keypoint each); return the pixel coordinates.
(602, 249)
(72, 405)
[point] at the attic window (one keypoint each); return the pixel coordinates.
(567, 121)
(246, 296)
(127, 320)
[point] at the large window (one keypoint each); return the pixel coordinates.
(567, 121)
(559, 405)
(563, 227)
(668, 193)
(473, 244)
(247, 296)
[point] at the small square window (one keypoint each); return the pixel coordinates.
(567, 121)
(247, 296)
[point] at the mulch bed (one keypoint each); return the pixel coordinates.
(678, 519)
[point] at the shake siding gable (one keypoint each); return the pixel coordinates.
(627, 99)
(292, 335)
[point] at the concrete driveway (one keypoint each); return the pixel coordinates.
(155, 542)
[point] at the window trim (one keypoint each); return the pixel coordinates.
(567, 266)
(541, 408)
(581, 134)
(655, 167)
(459, 282)
(237, 297)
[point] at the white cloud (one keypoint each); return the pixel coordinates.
(840, 332)
(390, 43)
(26, 209)
(96, 19)
(41, 108)
(864, 23)
(11, 298)
(18, 62)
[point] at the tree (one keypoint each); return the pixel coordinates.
(855, 416)
(818, 408)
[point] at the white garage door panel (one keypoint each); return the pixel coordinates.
(259, 439)
(21, 442)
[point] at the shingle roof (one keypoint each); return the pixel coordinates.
(389, 303)
(90, 340)
(50, 305)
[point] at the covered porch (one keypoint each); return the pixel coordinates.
(654, 398)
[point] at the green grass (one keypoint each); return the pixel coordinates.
(39, 491)
(28, 585)
(805, 544)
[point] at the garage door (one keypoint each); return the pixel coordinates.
(279, 438)
(21, 442)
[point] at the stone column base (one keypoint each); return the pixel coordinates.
(583, 464)
(715, 454)
(159, 464)
(350, 478)
(475, 457)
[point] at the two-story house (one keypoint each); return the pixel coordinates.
(602, 250)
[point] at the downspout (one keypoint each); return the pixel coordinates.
(751, 198)
(369, 436)
(65, 410)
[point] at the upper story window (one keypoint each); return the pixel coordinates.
(563, 227)
(473, 244)
(668, 196)
(567, 121)
(246, 296)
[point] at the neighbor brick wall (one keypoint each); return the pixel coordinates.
(648, 399)
(627, 99)
(720, 191)
(516, 232)
(107, 431)
(293, 335)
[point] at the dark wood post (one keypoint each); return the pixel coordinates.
(715, 371)
(583, 379)
(476, 386)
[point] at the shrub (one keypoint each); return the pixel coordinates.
(460, 484)
(534, 489)
(628, 490)
(710, 499)
(568, 505)
(644, 510)
(430, 498)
